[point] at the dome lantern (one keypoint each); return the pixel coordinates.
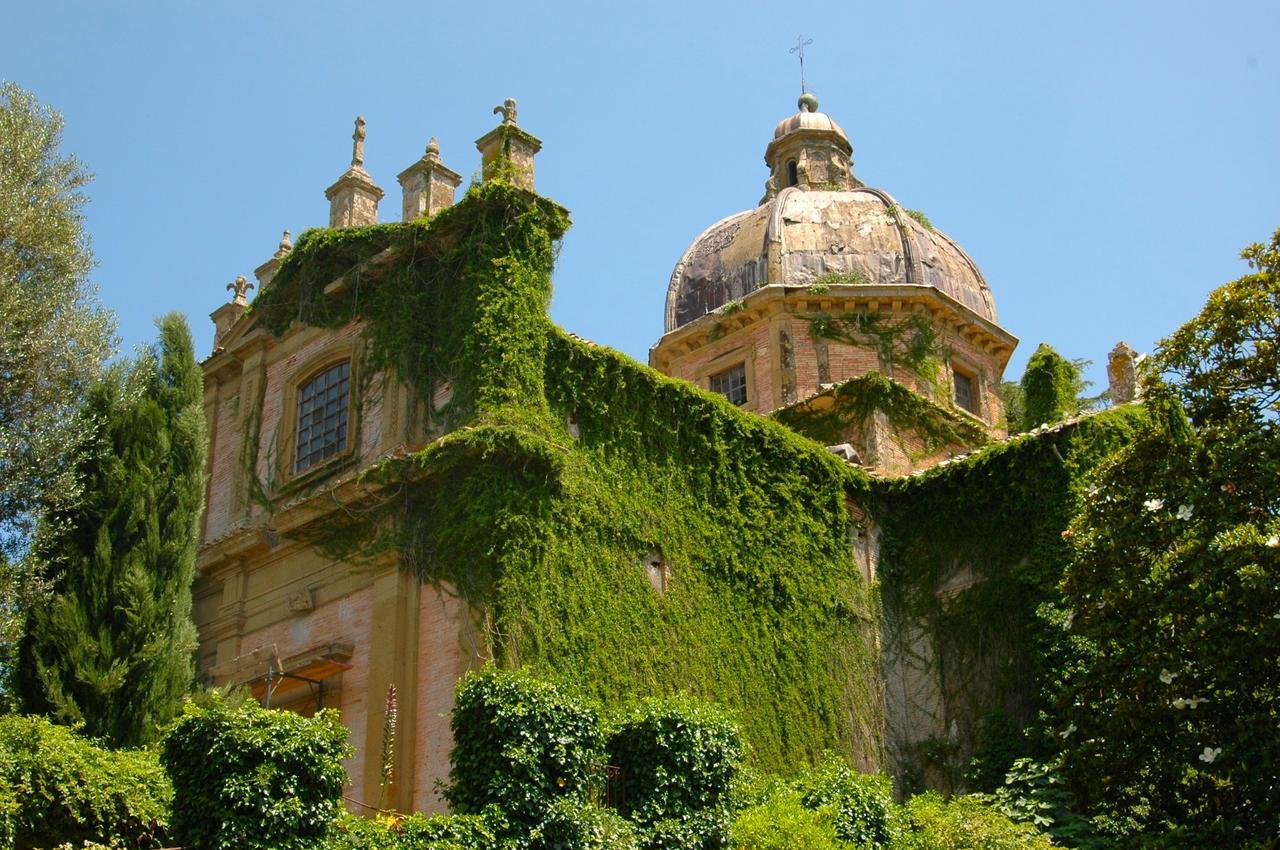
(809, 151)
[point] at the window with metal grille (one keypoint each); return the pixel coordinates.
(966, 392)
(732, 384)
(322, 416)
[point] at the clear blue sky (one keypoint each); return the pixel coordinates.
(1103, 162)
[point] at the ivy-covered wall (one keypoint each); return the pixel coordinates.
(971, 559)
(618, 529)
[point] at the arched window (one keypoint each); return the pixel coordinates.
(323, 404)
(793, 174)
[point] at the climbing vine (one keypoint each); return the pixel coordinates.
(563, 467)
(971, 560)
(909, 342)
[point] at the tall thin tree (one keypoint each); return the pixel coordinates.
(114, 647)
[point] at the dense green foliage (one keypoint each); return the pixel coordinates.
(678, 758)
(784, 822)
(574, 465)
(519, 744)
(247, 778)
(1170, 721)
(1049, 388)
(861, 804)
(962, 823)
(54, 336)
(113, 648)
(62, 787)
(415, 832)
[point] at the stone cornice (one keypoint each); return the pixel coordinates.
(767, 300)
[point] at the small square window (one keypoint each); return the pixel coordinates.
(966, 391)
(322, 417)
(732, 384)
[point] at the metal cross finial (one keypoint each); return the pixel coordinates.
(357, 147)
(241, 287)
(801, 44)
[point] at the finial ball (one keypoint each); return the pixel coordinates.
(808, 102)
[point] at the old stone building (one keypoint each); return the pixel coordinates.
(794, 309)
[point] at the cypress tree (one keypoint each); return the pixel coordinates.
(1049, 388)
(114, 647)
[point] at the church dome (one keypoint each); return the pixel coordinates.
(817, 219)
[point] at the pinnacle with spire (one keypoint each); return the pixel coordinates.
(353, 199)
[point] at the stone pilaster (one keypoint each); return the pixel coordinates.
(428, 185)
(506, 151)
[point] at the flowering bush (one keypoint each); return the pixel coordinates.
(1170, 726)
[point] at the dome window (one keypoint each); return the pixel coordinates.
(966, 390)
(793, 173)
(731, 383)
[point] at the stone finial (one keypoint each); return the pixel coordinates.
(508, 111)
(353, 199)
(428, 185)
(1122, 374)
(241, 287)
(285, 246)
(507, 151)
(357, 144)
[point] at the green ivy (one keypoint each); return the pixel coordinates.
(999, 513)
(910, 342)
(563, 466)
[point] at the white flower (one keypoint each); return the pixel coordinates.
(1065, 732)
(1184, 512)
(1179, 703)
(1093, 491)
(1273, 541)
(1153, 505)
(1209, 754)
(1194, 701)
(1071, 618)
(1167, 677)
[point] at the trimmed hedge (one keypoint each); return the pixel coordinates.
(679, 757)
(521, 745)
(248, 778)
(56, 786)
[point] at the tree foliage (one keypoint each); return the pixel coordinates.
(53, 335)
(1171, 726)
(113, 648)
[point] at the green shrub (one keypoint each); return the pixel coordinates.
(784, 823)
(519, 744)
(248, 777)
(416, 832)
(962, 823)
(679, 757)
(862, 803)
(56, 786)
